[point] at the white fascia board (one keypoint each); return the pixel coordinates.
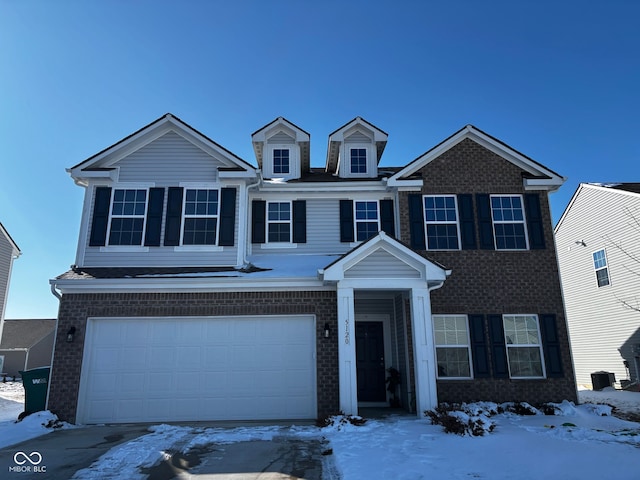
(405, 185)
(323, 188)
(550, 184)
(186, 285)
(253, 173)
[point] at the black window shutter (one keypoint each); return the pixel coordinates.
(346, 221)
(467, 222)
(416, 222)
(100, 217)
(173, 223)
(498, 347)
(535, 226)
(258, 221)
(227, 216)
(485, 224)
(551, 345)
(299, 221)
(154, 217)
(479, 348)
(387, 217)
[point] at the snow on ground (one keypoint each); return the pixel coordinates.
(582, 443)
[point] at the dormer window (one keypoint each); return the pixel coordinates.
(281, 161)
(358, 159)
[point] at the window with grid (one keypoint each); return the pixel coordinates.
(602, 270)
(279, 221)
(281, 160)
(367, 221)
(358, 160)
(453, 351)
(200, 217)
(508, 222)
(524, 347)
(441, 217)
(128, 211)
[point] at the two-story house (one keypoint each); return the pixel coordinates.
(599, 255)
(205, 288)
(9, 251)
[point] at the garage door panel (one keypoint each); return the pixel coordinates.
(198, 368)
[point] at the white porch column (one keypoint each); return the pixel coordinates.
(347, 352)
(423, 350)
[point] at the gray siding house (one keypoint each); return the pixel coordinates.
(27, 344)
(206, 288)
(598, 241)
(9, 251)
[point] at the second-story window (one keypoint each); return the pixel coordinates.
(508, 222)
(128, 211)
(279, 221)
(367, 220)
(358, 159)
(200, 217)
(441, 217)
(281, 160)
(602, 270)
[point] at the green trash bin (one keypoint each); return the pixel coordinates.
(35, 383)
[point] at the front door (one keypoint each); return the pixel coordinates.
(370, 362)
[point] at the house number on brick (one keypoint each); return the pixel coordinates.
(346, 331)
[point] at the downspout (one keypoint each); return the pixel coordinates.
(247, 240)
(56, 294)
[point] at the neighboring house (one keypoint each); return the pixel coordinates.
(598, 241)
(9, 251)
(27, 344)
(205, 288)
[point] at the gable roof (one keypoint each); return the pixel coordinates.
(16, 251)
(337, 137)
(426, 270)
(25, 333)
(631, 189)
(540, 177)
(302, 138)
(103, 160)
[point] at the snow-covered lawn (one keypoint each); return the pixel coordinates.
(579, 444)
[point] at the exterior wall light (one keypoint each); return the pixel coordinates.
(70, 334)
(327, 330)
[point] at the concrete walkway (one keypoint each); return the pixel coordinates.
(64, 452)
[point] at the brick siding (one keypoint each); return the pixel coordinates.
(76, 308)
(491, 281)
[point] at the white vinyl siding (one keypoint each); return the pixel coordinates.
(603, 332)
(381, 264)
(169, 160)
(160, 256)
(6, 259)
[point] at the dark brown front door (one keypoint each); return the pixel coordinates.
(370, 362)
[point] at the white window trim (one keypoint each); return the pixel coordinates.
(273, 160)
(595, 270)
(355, 146)
(457, 223)
(267, 244)
(127, 248)
(294, 160)
(355, 220)
(525, 345)
(199, 248)
(468, 346)
(523, 222)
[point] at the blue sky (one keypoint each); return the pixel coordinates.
(557, 81)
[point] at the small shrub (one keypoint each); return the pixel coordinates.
(340, 419)
(520, 408)
(461, 419)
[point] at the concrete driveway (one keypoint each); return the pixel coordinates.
(64, 452)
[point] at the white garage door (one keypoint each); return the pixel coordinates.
(198, 368)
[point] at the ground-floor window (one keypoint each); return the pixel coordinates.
(453, 354)
(524, 346)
